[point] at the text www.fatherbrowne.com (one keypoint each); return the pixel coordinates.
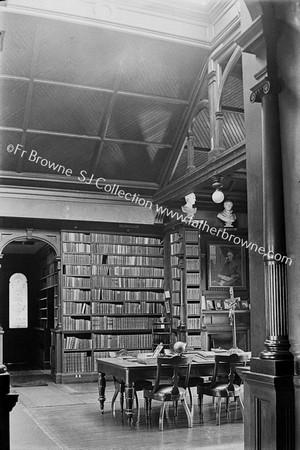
(100, 184)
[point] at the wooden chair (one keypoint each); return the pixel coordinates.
(219, 388)
(166, 387)
(139, 385)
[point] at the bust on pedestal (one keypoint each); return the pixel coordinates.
(227, 214)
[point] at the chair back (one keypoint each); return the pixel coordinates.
(171, 365)
(231, 361)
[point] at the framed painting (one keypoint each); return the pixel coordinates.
(226, 266)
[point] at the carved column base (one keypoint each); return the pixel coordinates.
(269, 409)
(277, 348)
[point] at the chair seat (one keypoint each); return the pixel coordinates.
(220, 390)
(164, 394)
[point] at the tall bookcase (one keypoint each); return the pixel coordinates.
(112, 290)
(47, 308)
(185, 255)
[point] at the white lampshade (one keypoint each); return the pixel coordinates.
(217, 196)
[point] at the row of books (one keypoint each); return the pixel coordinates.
(76, 282)
(122, 248)
(123, 323)
(76, 247)
(126, 271)
(73, 295)
(175, 237)
(176, 248)
(193, 308)
(175, 285)
(77, 270)
(192, 278)
(77, 362)
(127, 296)
(175, 272)
(76, 308)
(75, 343)
(70, 258)
(116, 341)
(76, 324)
(192, 264)
(193, 322)
(70, 236)
(127, 308)
(133, 283)
(191, 250)
(194, 341)
(124, 239)
(131, 260)
(193, 294)
(191, 236)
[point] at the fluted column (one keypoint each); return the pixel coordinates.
(277, 343)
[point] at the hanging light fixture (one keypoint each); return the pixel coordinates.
(218, 195)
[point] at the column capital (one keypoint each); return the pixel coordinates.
(263, 88)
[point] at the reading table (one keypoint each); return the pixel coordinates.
(127, 369)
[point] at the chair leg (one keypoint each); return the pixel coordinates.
(146, 403)
(227, 407)
(122, 401)
(113, 401)
(239, 400)
(188, 412)
(161, 416)
(218, 411)
(136, 399)
(200, 403)
(176, 407)
(191, 397)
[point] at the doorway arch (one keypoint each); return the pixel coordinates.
(37, 257)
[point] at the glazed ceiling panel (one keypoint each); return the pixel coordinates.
(146, 120)
(13, 94)
(16, 56)
(9, 156)
(131, 162)
(72, 153)
(67, 109)
(160, 68)
(75, 54)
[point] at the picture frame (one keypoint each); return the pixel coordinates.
(244, 304)
(210, 304)
(218, 305)
(226, 266)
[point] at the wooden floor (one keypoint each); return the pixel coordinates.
(68, 417)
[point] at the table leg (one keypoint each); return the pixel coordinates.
(101, 388)
(129, 393)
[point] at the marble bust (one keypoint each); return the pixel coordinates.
(227, 214)
(188, 207)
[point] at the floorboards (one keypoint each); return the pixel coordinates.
(68, 417)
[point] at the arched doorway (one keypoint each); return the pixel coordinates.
(26, 344)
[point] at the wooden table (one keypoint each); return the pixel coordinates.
(129, 370)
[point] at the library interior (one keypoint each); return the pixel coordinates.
(149, 228)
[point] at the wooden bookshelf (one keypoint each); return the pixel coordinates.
(47, 308)
(112, 290)
(185, 285)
